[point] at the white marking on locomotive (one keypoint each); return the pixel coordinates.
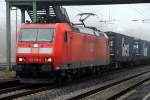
(125, 48)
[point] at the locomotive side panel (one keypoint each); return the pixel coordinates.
(89, 50)
(62, 48)
(102, 51)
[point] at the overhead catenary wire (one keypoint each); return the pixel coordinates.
(83, 10)
(135, 9)
(144, 11)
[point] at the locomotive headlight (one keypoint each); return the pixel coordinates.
(21, 59)
(35, 45)
(48, 59)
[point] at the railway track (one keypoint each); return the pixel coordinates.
(12, 88)
(27, 89)
(15, 92)
(87, 93)
(7, 83)
(109, 90)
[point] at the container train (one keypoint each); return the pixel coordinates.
(126, 50)
(47, 51)
(52, 48)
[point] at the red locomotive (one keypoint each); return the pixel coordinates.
(44, 50)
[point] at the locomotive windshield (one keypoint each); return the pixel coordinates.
(37, 35)
(28, 35)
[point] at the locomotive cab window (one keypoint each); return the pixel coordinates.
(28, 35)
(65, 37)
(45, 35)
(37, 35)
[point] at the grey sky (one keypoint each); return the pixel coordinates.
(121, 16)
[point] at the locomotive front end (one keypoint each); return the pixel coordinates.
(35, 53)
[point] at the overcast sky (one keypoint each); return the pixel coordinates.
(118, 18)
